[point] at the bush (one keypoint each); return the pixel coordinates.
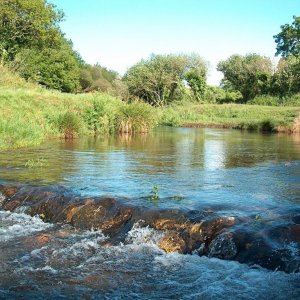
(266, 100)
(52, 68)
(219, 95)
(101, 116)
(135, 117)
(231, 97)
(69, 124)
(293, 100)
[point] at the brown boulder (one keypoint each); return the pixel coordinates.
(173, 242)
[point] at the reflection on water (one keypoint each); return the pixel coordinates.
(197, 166)
(238, 172)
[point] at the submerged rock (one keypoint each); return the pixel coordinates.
(105, 214)
(248, 240)
(173, 242)
(223, 246)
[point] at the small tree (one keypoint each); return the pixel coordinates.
(286, 80)
(250, 74)
(162, 78)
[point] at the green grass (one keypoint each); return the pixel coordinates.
(30, 114)
(135, 117)
(241, 116)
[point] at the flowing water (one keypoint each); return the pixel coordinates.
(232, 172)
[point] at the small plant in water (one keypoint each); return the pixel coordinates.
(154, 193)
(36, 163)
(258, 217)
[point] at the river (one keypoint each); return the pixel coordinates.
(235, 174)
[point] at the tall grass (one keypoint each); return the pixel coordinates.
(30, 114)
(135, 118)
(267, 100)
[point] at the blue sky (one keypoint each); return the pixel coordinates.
(119, 33)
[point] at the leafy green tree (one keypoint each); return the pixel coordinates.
(162, 78)
(250, 74)
(55, 68)
(288, 40)
(197, 83)
(286, 80)
(27, 24)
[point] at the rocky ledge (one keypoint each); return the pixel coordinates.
(272, 243)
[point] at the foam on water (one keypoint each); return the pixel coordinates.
(143, 235)
(19, 224)
(78, 265)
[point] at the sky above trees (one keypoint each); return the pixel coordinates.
(119, 33)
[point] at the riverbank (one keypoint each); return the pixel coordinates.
(236, 116)
(30, 115)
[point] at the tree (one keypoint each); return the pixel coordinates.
(197, 83)
(55, 68)
(288, 40)
(250, 74)
(28, 24)
(286, 80)
(162, 78)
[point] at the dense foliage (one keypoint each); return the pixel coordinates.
(288, 40)
(55, 68)
(32, 44)
(286, 80)
(28, 24)
(162, 78)
(96, 78)
(250, 74)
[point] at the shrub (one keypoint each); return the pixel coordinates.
(135, 117)
(231, 97)
(266, 100)
(219, 95)
(101, 116)
(69, 124)
(293, 100)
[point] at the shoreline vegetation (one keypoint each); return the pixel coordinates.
(47, 90)
(30, 114)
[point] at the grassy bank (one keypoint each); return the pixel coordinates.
(240, 116)
(30, 114)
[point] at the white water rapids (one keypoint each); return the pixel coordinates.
(81, 265)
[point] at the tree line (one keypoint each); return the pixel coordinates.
(32, 44)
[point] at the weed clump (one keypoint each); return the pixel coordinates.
(69, 125)
(135, 118)
(100, 117)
